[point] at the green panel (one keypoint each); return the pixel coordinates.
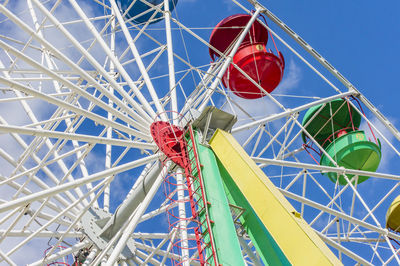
(352, 151)
(264, 243)
(341, 119)
(224, 232)
(200, 205)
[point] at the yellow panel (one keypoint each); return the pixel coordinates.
(393, 215)
(298, 241)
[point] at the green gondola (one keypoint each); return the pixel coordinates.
(335, 127)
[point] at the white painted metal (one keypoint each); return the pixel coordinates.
(69, 185)
(138, 193)
(106, 199)
(288, 112)
(182, 225)
(139, 61)
(78, 137)
(171, 66)
(120, 68)
(62, 253)
(76, 67)
(80, 92)
(133, 223)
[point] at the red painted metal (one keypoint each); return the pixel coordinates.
(168, 137)
(227, 31)
(263, 67)
(182, 150)
(341, 133)
(337, 134)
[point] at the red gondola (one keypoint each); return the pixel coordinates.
(252, 57)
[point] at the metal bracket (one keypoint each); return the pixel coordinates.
(237, 212)
(92, 222)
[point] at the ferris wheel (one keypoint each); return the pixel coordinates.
(132, 134)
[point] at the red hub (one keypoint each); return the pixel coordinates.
(169, 139)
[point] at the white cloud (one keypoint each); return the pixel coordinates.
(229, 4)
(291, 79)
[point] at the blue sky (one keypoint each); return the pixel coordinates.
(359, 38)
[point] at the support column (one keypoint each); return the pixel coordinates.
(270, 253)
(226, 241)
(295, 238)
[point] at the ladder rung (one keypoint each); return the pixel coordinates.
(198, 195)
(211, 256)
(201, 210)
(204, 233)
(202, 222)
(200, 203)
(198, 187)
(195, 190)
(194, 172)
(196, 204)
(195, 178)
(205, 225)
(205, 246)
(192, 168)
